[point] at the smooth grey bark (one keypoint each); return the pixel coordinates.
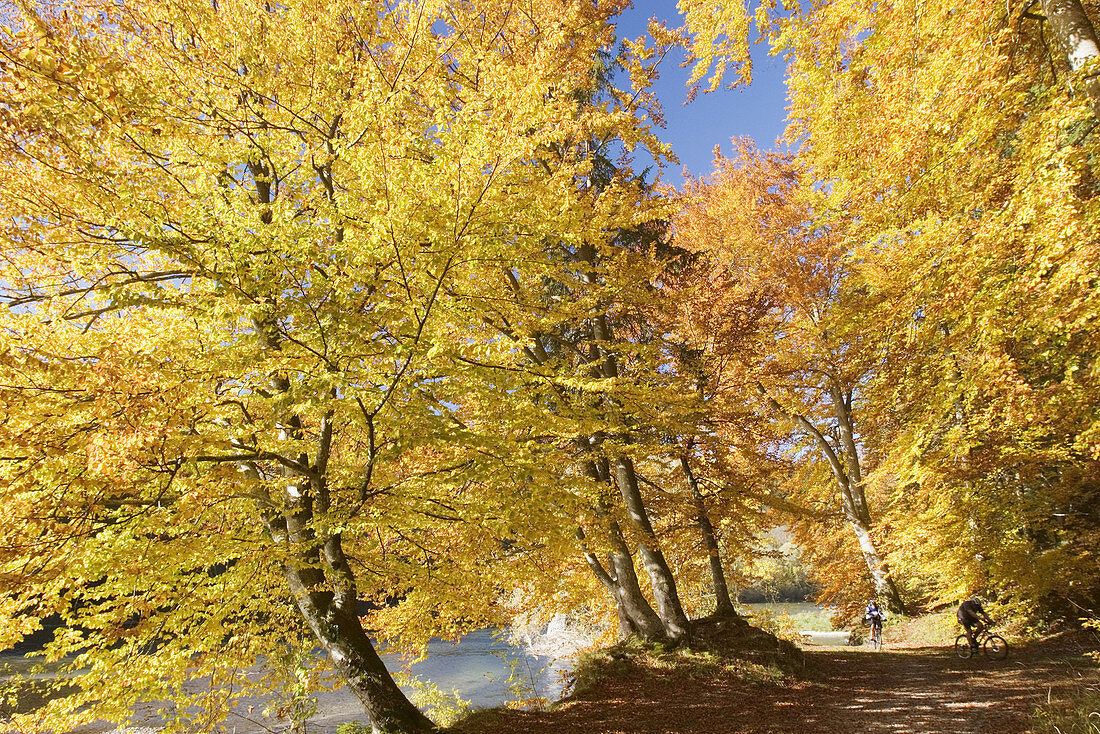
(660, 575)
(1074, 30)
(322, 584)
(1077, 36)
(620, 579)
(845, 466)
(334, 620)
(723, 604)
(636, 615)
(644, 620)
(661, 580)
(321, 580)
(854, 500)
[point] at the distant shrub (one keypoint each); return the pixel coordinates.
(353, 727)
(779, 624)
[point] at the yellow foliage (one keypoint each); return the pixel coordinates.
(259, 347)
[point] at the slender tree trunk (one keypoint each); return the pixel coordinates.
(645, 621)
(844, 463)
(603, 363)
(661, 579)
(880, 571)
(322, 581)
(653, 560)
(636, 616)
(854, 499)
(723, 604)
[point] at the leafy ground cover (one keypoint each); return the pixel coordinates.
(910, 687)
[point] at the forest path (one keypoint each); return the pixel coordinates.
(899, 690)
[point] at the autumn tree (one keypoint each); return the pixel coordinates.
(762, 243)
(249, 251)
(961, 142)
(714, 468)
(580, 333)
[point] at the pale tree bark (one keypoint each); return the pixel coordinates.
(845, 466)
(636, 615)
(321, 580)
(669, 610)
(1073, 29)
(318, 575)
(723, 604)
(1077, 36)
(649, 548)
(334, 620)
(660, 575)
(635, 608)
(317, 572)
(323, 587)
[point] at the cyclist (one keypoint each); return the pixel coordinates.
(973, 618)
(875, 617)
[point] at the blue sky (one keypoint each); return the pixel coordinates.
(712, 119)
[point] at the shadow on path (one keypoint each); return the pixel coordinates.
(914, 691)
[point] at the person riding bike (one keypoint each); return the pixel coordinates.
(973, 618)
(875, 617)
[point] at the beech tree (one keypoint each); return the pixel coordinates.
(966, 165)
(959, 143)
(248, 255)
(758, 236)
(608, 399)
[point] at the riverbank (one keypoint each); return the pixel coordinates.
(908, 688)
(486, 668)
(738, 681)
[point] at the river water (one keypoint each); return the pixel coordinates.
(483, 669)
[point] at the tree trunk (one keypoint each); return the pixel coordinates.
(322, 581)
(880, 571)
(1077, 35)
(855, 504)
(324, 590)
(603, 364)
(723, 605)
(660, 576)
(341, 634)
(1074, 30)
(855, 508)
(646, 622)
(636, 616)
(844, 464)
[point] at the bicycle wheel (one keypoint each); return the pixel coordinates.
(876, 637)
(995, 647)
(962, 647)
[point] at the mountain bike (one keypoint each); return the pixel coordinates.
(993, 645)
(876, 635)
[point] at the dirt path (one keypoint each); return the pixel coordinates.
(902, 691)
